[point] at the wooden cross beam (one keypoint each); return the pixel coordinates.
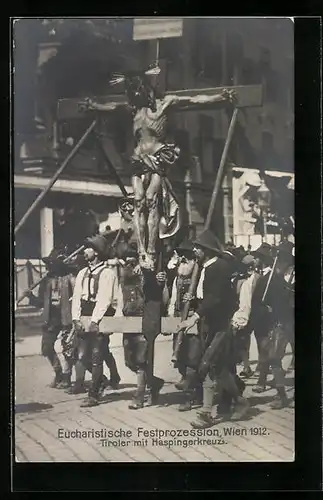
(246, 96)
(133, 324)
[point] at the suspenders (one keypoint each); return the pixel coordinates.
(91, 275)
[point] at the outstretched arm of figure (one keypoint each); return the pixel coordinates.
(89, 105)
(190, 101)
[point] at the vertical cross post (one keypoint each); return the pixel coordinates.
(151, 321)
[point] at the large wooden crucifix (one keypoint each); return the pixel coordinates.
(183, 100)
(152, 155)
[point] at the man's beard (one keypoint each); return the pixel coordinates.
(185, 268)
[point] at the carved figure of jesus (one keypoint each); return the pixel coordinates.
(152, 155)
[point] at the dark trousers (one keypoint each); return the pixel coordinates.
(135, 348)
(272, 350)
(98, 350)
(49, 337)
(93, 351)
(136, 356)
(261, 335)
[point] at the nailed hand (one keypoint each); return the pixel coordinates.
(94, 327)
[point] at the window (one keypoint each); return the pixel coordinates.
(170, 63)
(234, 58)
(248, 73)
(206, 52)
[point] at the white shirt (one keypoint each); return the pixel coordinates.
(241, 316)
(172, 302)
(199, 290)
(106, 294)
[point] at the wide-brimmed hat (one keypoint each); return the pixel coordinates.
(55, 254)
(265, 252)
(55, 262)
(98, 243)
(285, 251)
(248, 260)
(185, 247)
(208, 240)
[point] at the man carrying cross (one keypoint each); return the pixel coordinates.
(155, 206)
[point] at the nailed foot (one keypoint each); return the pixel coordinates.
(147, 261)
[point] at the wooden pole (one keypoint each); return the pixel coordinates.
(151, 321)
(188, 203)
(111, 167)
(55, 176)
(270, 278)
(219, 177)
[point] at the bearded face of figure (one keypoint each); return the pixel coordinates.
(140, 94)
(186, 265)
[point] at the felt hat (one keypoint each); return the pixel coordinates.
(265, 252)
(208, 240)
(98, 242)
(55, 254)
(286, 251)
(248, 260)
(185, 247)
(55, 262)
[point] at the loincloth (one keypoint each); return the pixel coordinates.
(156, 163)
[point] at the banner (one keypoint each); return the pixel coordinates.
(160, 27)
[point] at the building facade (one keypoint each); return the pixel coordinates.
(210, 53)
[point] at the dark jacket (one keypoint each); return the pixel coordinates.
(54, 314)
(216, 307)
(277, 298)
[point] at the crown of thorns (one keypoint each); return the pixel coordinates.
(117, 78)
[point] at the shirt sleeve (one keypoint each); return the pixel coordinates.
(119, 301)
(77, 294)
(241, 316)
(172, 302)
(105, 294)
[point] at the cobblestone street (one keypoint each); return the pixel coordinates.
(43, 414)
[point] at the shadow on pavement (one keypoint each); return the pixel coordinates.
(32, 407)
(117, 396)
(170, 398)
(260, 400)
(252, 413)
(87, 385)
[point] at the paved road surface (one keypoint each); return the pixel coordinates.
(44, 416)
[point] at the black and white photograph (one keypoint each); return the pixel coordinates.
(154, 278)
